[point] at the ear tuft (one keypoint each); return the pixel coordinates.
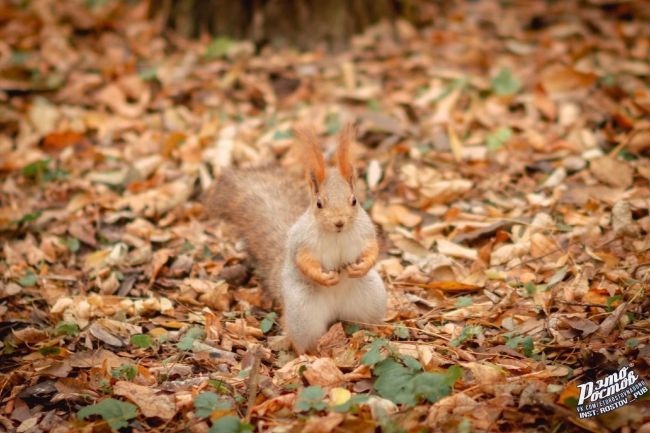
(343, 160)
(311, 150)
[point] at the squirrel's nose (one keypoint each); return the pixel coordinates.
(339, 224)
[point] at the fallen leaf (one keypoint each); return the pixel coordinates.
(612, 171)
(334, 338)
(30, 335)
(339, 396)
(113, 97)
(451, 286)
(485, 374)
(607, 325)
(323, 372)
(157, 201)
(454, 250)
(558, 78)
(57, 141)
(160, 257)
(445, 191)
(586, 326)
(104, 335)
(323, 424)
(456, 146)
(622, 221)
(151, 402)
(373, 174)
(91, 359)
(213, 294)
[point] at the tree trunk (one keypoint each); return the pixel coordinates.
(297, 23)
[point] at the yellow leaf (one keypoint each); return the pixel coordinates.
(96, 259)
(451, 286)
(339, 396)
(173, 324)
(570, 391)
(454, 143)
(158, 332)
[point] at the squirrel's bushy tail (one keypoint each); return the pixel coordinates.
(261, 204)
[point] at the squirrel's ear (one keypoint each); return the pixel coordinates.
(343, 160)
(312, 154)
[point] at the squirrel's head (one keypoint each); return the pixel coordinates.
(333, 203)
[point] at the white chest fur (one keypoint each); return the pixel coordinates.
(335, 250)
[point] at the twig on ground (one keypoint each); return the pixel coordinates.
(253, 381)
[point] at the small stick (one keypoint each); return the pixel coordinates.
(253, 382)
(59, 278)
(624, 143)
(582, 304)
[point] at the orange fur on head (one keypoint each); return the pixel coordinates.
(343, 154)
(313, 154)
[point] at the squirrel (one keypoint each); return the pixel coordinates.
(315, 247)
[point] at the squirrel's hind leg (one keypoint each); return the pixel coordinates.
(366, 301)
(305, 320)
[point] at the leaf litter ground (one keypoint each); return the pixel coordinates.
(504, 157)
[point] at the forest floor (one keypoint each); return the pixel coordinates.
(504, 156)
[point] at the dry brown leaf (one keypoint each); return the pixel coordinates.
(91, 359)
(335, 338)
(102, 334)
(72, 389)
(622, 221)
(373, 174)
(160, 257)
(612, 171)
(323, 372)
(640, 142)
(380, 407)
(585, 326)
(273, 405)
(507, 252)
(213, 294)
(113, 96)
(426, 355)
(485, 374)
(475, 310)
(451, 286)
(608, 325)
(454, 250)
(458, 403)
(151, 402)
(445, 191)
(241, 328)
(323, 424)
(157, 201)
(30, 335)
(541, 245)
(402, 215)
(558, 79)
(359, 373)
(57, 141)
(290, 371)
(457, 148)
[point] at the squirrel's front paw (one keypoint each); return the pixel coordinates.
(358, 269)
(329, 279)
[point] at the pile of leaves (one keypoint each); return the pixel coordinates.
(504, 158)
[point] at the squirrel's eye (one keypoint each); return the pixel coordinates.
(354, 201)
(319, 204)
